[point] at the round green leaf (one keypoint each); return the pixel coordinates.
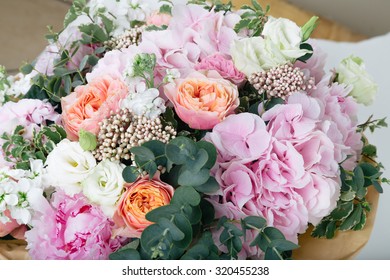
(188, 178)
(184, 226)
(130, 174)
(185, 195)
(166, 211)
(174, 231)
(210, 187)
(142, 154)
(211, 151)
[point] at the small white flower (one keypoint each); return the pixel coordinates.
(68, 165)
(104, 185)
(146, 103)
(352, 71)
(171, 75)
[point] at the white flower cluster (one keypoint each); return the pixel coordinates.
(20, 191)
(17, 85)
(123, 12)
(141, 100)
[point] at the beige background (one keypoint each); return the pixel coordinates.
(23, 22)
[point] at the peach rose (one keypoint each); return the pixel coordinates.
(140, 197)
(203, 100)
(89, 104)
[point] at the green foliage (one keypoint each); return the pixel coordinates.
(372, 124)
(19, 150)
(269, 239)
(352, 208)
(143, 67)
(309, 28)
(253, 19)
(216, 5)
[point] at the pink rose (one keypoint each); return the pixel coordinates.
(158, 19)
(89, 104)
(70, 229)
(225, 67)
(241, 137)
(202, 101)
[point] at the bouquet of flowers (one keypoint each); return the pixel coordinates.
(182, 130)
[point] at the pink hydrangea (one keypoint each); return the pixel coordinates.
(225, 67)
(113, 64)
(316, 64)
(30, 113)
(320, 196)
(193, 34)
(70, 229)
(241, 137)
(339, 120)
(293, 121)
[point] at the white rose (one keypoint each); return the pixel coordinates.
(68, 165)
(285, 35)
(104, 185)
(253, 55)
(352, 71)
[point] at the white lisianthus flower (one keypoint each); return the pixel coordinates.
(352, 71)
(68, 165)
(285, 35)
(104, 185)
(255, 54)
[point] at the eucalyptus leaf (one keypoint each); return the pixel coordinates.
(130, 174)
(174, 231)
(188, 178)
(185, 195)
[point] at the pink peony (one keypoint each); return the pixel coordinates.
(70, 229)
(225, 67)
(241, 137)
(202, 101)
(89, 104)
